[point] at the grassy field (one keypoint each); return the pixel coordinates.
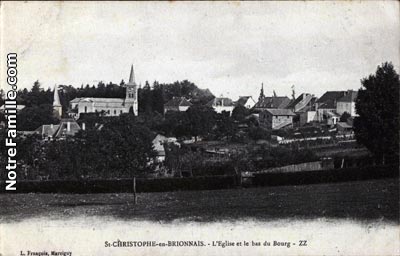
(362, 200)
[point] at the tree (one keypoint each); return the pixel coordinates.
(126, 146)
(201, 120)
(30, 118)
(344, 117)
(377, 104)
(240, 112)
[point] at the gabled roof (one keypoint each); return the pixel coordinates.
(59, 130)
(243, 99)
(280, 112)
(47, 130)
(223, 102)
(344, 125)
(19, 107)
(273, 102)
(302, 103)
(177, 102)
(350, 96)
(63, 128)
(329, 99)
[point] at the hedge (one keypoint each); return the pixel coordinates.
(326, 176)
(124, 185)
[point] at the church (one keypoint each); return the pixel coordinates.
(109, 106)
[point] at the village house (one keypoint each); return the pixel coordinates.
(221, 104)
(177, 104)
(326, 106)
(305, 102)
(347, 103)
(67, 127)
(275, 101)
(108, 106)
(276, 118)
(246, 101)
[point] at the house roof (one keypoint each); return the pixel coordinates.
(63, 128)
(303, 96)
(223, 102)
(344, 125)
(350, 96)
(280, 112)
(178, 101)
(329, 99)
(59, 130)
(243, 99)
(273, 102)
(47, 130)
(19, 107)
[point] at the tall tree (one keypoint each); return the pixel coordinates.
(377, 104)
(201, 120)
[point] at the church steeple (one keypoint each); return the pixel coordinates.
(131, 94)
(57, 107)
(262, 96)
(132, 76)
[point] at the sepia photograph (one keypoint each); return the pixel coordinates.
(199, 128)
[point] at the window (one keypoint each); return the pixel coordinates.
(85, 109)
(115, 111)
(120, 111)
(108, 111)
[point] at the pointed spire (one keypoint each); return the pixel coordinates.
(56, 99)
(262, 96)
(132, 76)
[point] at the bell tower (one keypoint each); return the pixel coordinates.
(57, 107)
(131, 95)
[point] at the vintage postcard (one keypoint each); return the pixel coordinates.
(199, 128)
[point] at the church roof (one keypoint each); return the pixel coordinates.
(273, 102)
(98, 100)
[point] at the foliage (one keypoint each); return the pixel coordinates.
(259, 133)
(377, 104)
(201, 120)
(280, 156)
(344, 117)
(121, 148)
(30, 118)
(240, 112)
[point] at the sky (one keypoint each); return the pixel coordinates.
(228, 47)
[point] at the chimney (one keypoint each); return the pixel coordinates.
(68, 126)
(52, 126)
(83, 126)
